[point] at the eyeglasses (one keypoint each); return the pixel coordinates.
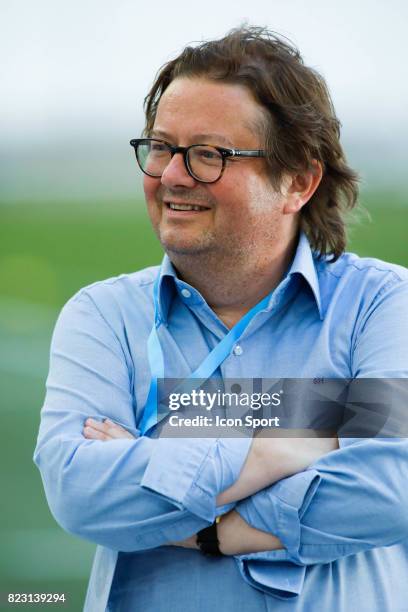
(204, 163)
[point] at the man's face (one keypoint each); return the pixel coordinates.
(243, 214)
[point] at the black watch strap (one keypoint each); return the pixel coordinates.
(207, 540)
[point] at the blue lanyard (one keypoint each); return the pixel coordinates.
(204, 370)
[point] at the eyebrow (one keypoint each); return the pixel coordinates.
(204, 138)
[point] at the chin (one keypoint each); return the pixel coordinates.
(180, 248)
(179, 245)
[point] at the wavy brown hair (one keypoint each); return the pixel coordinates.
(300, 122)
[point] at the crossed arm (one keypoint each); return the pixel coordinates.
(125, 495)
(268, 460)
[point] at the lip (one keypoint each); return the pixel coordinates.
(183, 213)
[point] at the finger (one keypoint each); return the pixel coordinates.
(98, 425)
(116, 431)
(109, 428)
(94, 434)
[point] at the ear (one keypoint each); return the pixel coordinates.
(299, 188)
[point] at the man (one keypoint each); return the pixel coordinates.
(246, 185)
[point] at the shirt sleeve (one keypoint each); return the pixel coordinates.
(354, 498)
(342, 511)
(125, 494)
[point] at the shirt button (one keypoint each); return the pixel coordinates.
(238, 350)
(186, 293)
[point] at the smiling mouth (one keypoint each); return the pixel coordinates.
(186, 207)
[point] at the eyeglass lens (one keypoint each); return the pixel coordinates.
(205, 162)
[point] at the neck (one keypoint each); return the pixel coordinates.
(232, 287)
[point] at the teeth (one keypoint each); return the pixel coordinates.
(185, 207)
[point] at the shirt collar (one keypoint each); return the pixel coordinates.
(303, 264)
(167, 287)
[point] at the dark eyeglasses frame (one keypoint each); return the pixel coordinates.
(224, 152)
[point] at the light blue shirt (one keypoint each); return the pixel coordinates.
(343, 521)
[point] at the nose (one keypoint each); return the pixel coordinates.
(175, 174)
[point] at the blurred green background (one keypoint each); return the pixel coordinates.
(74, 76)
(47, 253)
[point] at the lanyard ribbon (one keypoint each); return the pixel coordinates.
(204, 370)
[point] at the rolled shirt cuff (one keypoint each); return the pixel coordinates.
(281, 579)
(278, 510)
(191, 472)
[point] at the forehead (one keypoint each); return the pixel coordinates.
(198, 106)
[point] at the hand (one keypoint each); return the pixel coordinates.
(105, 431)
(236, 537)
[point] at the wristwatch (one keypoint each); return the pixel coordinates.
(207, 540)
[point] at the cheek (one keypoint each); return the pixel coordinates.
(244, 195)
(261, 197)
(150, 187)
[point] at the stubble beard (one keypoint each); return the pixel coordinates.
(203, 245)
(233, 253)
(209, 252)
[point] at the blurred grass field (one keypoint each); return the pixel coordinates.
(47, 253)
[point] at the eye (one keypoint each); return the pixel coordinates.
(158, 146)
(207, 154)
